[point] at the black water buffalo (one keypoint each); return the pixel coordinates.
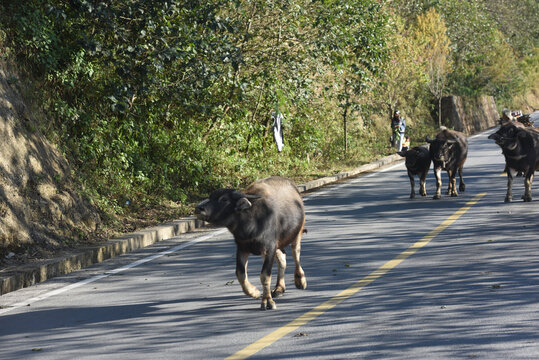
(417, 164)
(520, 147)
(264, 219)
(448, 151)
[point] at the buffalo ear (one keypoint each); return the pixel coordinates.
(402, 153)
(243, 204)
(242, 200)
(428, 140)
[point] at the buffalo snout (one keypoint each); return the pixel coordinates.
(497, 138)
(200, 210)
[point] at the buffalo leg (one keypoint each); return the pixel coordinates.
(299, 275)
(438, 176)
(452, 183)
(422, 181)
(265, 279)
(280, 287)
(241, 274)
(412, 184)
(528, 187)
(462, 186)
(510, 175)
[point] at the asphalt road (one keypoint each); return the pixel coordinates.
(388, 278)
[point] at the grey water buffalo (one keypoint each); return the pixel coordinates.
(418, 164)
(264, 219)
(520, 147)
(448, 151)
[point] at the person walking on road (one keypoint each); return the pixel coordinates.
(398, 127)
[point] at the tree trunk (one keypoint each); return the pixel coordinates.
(440, 112)
(345, 126)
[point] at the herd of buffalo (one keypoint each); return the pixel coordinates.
(269, 215)
(449, 149)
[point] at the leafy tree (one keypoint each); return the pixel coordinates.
(488, 40)
(409, 10)
(516, 21)
(472, 35)
(352, 41)
(430, 33)
(403, 73)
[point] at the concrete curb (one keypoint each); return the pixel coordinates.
(314, 184)
(34, 273)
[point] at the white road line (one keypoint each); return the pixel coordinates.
(111, 272)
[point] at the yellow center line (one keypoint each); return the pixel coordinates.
(357, 286)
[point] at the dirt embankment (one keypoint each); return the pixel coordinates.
(40, 212)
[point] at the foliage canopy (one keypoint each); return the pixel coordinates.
(154, 100)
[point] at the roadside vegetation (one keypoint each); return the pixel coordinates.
(156, 103)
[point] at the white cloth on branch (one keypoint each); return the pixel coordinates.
(278, 129)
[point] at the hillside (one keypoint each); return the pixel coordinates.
(40, 212)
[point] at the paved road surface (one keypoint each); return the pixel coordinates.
(388, 278)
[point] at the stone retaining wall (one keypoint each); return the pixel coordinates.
(469, 115)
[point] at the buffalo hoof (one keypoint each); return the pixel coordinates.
(252, 291)
(454, 195)
(462, 187)
(437, 196)
(508, 199)
(423, 193)
(301, 282)
(412, 195)
(268, 304)
(527, 198)
(278, 291)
